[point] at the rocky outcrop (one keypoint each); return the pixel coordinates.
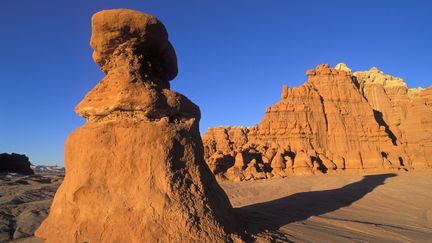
(15, 163)
(135, 172)
(405, 113)
(336, 122)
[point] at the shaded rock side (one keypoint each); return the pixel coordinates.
(337, 121)
(135, 172)
(15, 163)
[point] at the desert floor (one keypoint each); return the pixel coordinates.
(338, 208)
(24, 203)
(322, 208)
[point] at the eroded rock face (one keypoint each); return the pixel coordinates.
(337, 121)
(406, 113)
(135, 172)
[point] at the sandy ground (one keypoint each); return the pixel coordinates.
(24, 203)
(328, 208)
(338, 208)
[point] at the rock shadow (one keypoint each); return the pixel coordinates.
(380, 119)
(270, 216)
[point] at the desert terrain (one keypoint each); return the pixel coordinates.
(390, 207)
(344, 157)
(24, 203)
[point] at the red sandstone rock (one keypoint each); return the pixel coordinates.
(278, 165)
(405, 113)
(135, 172)
(338, 121)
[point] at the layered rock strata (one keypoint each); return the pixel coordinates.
(405, 113)
(135, 171)
(336, 122)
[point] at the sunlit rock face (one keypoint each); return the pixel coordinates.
(407, 113)
(338, 121)
(135, 172)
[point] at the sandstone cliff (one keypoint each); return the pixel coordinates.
(135, 171)
(406, 113)
(336, 122)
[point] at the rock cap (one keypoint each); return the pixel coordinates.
(116, 31)
(343, 67)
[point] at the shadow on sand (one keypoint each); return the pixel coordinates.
(274, 214)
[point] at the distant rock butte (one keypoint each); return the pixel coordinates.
(15, 163)
(135, 172)
(338, 121)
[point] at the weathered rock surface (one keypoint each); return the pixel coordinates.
(15, 163)
(135, 172)
(406, 113)
(337, 121)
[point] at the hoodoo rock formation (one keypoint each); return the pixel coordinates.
(337, 121)
(135, 172)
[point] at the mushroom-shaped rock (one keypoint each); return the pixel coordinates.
(121, 35)
(135, 172)
(132, 48)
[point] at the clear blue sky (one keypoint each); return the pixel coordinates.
(234, 56)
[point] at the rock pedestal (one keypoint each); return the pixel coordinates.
(135, 172)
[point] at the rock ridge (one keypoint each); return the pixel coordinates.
(338, 121)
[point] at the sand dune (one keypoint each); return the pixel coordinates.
(342, 208)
